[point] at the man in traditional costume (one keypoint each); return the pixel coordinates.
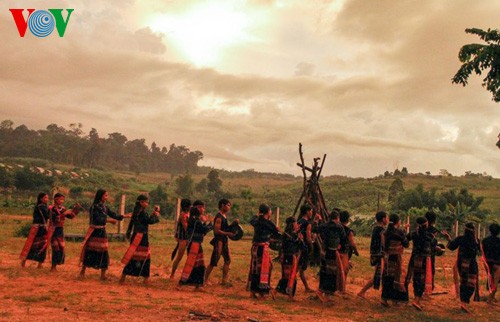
(259, 277)
(376, 252)
(221, 242)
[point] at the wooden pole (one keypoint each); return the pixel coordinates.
(177, 212)
(378, 201)
(278, 216)
(478, 233)
(122, 212)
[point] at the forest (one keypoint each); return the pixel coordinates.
(114, 152)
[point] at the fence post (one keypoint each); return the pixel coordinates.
(122, 212)
(177, 212)
(278, 217)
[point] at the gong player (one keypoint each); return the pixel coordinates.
(220, 242)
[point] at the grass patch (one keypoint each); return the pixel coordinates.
(32, 298)
(5, 314)
(142, 306)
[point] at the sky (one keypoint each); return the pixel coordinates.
(368, 83)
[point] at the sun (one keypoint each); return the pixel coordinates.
(204, 32)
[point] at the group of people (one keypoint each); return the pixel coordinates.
(193, 225)
(330, 238)
(47, 227)
(387, 246)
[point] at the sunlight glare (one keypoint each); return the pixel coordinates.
(203, 33)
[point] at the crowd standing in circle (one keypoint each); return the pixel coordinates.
(334, 239)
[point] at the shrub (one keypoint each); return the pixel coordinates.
(76, 191)
(23, 230)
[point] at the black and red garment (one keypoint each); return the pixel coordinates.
(291, 246)
(220, 242)
(307, 249)
(377, 255)
(331, 273)
(194, 268)
(35, 247)
(465, 271)
(259, 277)
(491, 257)
(181, 233)
(137, 258)
(420, 265)
(393, 279)
(56, 232)
(95, 245)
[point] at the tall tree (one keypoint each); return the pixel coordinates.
(395, 188)
(478, 58)
(214, 184)
(185, 186)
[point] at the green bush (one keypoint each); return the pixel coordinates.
(25, 179)
(23, 230)
(76, 191)
(362, 226)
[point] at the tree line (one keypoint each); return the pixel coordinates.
(115, 152)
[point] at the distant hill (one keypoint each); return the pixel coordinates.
(115, 152)
(246, 189)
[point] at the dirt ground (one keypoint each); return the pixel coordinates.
(36, 294)
(39, 295)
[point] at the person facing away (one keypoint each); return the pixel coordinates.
(259, 278)
(491, 252)
(420, 265)
(393, 287)
(431, 218)
(331, 274)
(181, 235)
(466, 269)
(304, 222)
(348, 245)
(291, 246)
(376, 252)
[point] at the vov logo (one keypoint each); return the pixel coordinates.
(41, 23)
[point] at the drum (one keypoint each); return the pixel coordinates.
(237, 230)
(275, 244)
(440, 250)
